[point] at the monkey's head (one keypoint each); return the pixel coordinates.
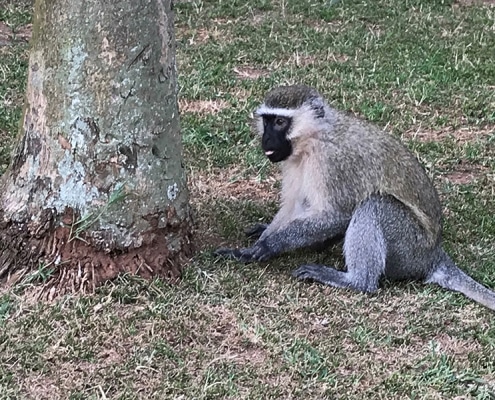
(287, 113)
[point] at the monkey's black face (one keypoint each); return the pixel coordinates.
(274, 142)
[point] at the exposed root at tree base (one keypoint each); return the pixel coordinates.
(76, 266)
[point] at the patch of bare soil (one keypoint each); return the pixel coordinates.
(466, 173)
(202, 107)
(248, 72)
(203, 35)
(303, 60)
(475, 2)
(461, 135)
(24, 33)
(229, 184)
(7, 35)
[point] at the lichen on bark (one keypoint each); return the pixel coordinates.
(101, 117)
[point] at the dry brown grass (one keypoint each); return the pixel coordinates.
(217, 31)
(210, 189)
(232, 184)
(249, 72)
(202, 107)
(467, 173)
(24, 32)
(5, 34)
(241, 94)
(304, 60)
(490, 3)
(460, 135)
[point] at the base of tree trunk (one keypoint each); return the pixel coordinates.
(79, 266)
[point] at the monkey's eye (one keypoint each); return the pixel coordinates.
(280, 122)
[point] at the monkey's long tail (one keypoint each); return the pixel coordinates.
(449, 276)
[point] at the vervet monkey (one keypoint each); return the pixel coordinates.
(342, 177)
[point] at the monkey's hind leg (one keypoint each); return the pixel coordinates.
(320, 273)
(364, 250)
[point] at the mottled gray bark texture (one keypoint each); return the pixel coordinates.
(96, 185)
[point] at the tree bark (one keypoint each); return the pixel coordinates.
(96, 185)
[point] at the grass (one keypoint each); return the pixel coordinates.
(423, 70)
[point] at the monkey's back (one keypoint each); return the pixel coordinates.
(363, 160)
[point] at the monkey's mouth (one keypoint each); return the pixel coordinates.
(275, 156)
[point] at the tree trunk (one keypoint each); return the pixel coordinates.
(96, 185)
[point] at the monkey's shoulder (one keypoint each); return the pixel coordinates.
(360, 141)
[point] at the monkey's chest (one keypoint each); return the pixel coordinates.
(303, 191)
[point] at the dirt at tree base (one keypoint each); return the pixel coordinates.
(79, 267)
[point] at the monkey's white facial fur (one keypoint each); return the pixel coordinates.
(305, 122)
(302, 104)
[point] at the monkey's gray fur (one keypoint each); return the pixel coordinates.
(342, 177)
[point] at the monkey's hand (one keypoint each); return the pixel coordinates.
(258, 252)
(255, 231)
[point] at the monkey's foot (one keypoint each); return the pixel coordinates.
(259, 252)
(255, 231)
(319, 273)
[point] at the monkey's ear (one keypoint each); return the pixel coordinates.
(256, 124)
(318, 106)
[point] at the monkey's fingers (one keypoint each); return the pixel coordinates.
(261, 251)
(227, 252)
(255, 231)
(309, 271)
(243, 255)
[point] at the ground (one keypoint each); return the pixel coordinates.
(422, 70)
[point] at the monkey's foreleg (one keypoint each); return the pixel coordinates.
(303, 232)
(292, 235)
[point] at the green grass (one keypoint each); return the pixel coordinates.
(424, 71)
(13, 66)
